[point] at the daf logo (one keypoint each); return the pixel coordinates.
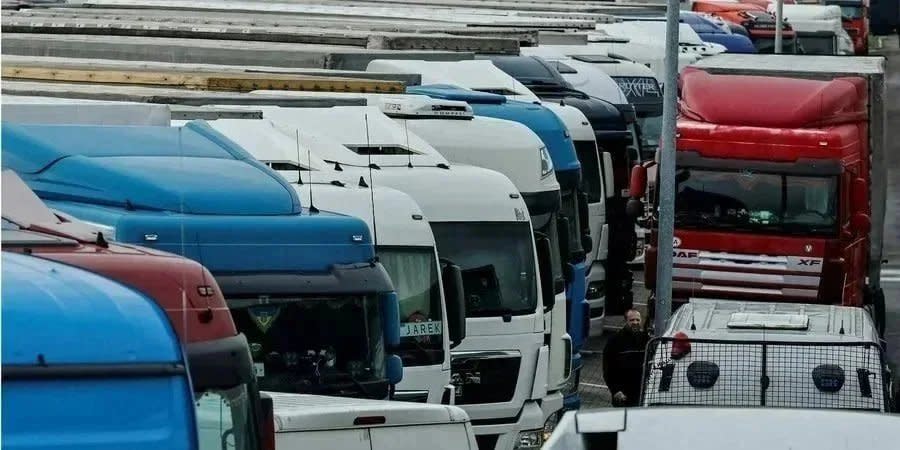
(808, 248)
(676, 242)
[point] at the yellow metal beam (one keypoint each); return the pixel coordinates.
(210, 81)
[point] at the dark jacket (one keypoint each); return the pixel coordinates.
(623, 364)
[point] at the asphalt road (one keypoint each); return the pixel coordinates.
(593, 390)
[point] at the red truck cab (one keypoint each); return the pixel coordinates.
(229, 408)
(771, 200)
(758, 22)
(855, 20)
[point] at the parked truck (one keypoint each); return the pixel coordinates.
(97, 360)
(226, 396)
(295, 281)
(855, 19)
(784, 200)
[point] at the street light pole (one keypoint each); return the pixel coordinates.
(666, 172)
(779, 24)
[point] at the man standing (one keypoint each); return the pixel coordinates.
(623, 361)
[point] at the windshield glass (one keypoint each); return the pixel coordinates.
(817, 45)
(223, 419)
(497, 262)
(651, 129)
(767, 45)
(756, 202)
(569, 209)
(328, 345)
(414, 274)
(591, 179)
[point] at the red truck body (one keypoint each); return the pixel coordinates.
(805, 141)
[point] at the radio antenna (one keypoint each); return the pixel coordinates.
(371, 183)
(408, 150)
(312, 207)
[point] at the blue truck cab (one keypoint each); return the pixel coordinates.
(319, 312)
(88, 364)
(567, 210)
(709, 31)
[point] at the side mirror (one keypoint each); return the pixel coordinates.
(455, 298)
(638, 183)
(859, 195)
(390, 307)
(609, 182)
(563, 229)
(545, 261)
(393, 368)
(584, 217)
(860, 223)
(266, 422)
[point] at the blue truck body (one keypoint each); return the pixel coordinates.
(191, 191)
(88, 364)
(710, 32)
(552, 132)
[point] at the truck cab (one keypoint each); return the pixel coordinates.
(432, 319)
(226, 400)
(72, 338)
(480, 223)
(191, 191)
(818, 29)
(759, 23)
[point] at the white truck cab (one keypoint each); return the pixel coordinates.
(818, 29)
(431, 320)
(480, 223)
(706, 428)
(320, 422)
(790, 355)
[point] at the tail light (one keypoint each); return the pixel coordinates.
(681, 345)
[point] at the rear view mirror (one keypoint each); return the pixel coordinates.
(859, 195)
(266, 422)
(455, 299)
(563, 230)
(391, 308)
(545, 262)
(394, 369)
(609, 185)
(584, 217)
(638, 182)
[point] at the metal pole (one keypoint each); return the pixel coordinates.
(666, 172)
(779, 24)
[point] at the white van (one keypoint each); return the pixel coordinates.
(687, 428)
(790, 355)
(320, 422)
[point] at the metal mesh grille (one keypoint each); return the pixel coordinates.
(753, 373)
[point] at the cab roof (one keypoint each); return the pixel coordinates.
(66, 315)
(742, 320)
(190, 169)
(771, 102)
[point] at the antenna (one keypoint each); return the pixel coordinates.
(408, 150)
(312, 207)
(371, 184)
(693, 324)
(299, 172)
(841, 331)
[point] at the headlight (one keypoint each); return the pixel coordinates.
(551, 424)
(529, 440)
(546, 163)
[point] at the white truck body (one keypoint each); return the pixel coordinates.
(703, 428)
(313, 421)
(818, 19)
(652, 32)
(497, 351)
(653, 56)
(48, 110)
(768, 354)
(402, 234)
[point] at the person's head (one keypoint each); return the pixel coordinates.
(633, 321)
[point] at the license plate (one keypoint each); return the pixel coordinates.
(415, 329)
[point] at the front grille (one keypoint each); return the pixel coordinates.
(486, 441)
(488, 377)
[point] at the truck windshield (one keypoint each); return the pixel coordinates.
(224, 419)
(327, 345)
(413, 271)
(497, 262)
(756, 202)
(767, 45)
(817, 45)
(651, 130)
(590, 169)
